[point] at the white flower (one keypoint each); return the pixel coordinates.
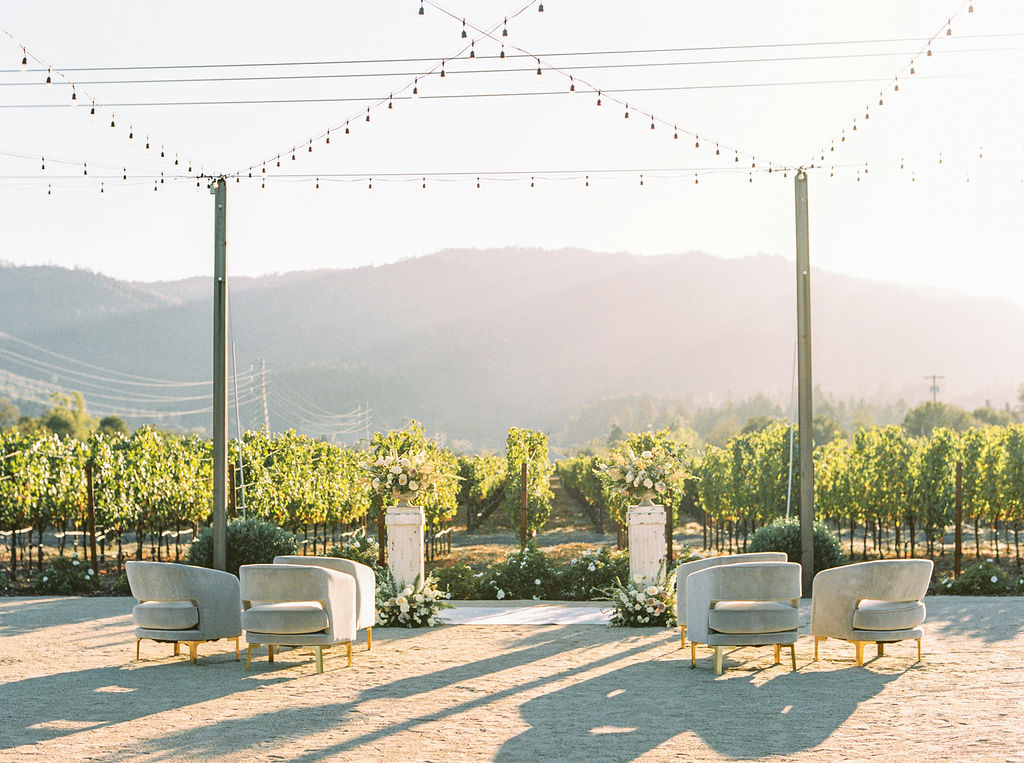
(379, 461)
(401, 601)
(396, 469)
(995, 579)
(500, 594)
(659, 486)
(74, 562)
(648, 483)
(536, 581)
(402, 479)
(45, 578)
(89, 571)
(388, 460)
(447, 594)
(405, 462)
(407, 590)
(652, 590)
(629, 476)
(591, 567)
(430, 621)
(375, 483)
(647, 454)
(414, 485)
(536, 598)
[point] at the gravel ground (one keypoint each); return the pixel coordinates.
(70, 690)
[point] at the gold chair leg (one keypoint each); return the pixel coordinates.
(177, 648)
(193, 651)
(682, 636)
(718, 660)
(778, 648)
(881, 649)
(693, 654)
(348, 652)
(270, 653)
(816, 640)
(319, 658)
(236, 649)
(859, 645)
(918, 650)
(248, 657)
(139, 641)
(792, 654)
(369, 639)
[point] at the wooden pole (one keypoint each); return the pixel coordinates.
(232, 506)
(959, 519)
(668, 533)
(523, 503)
(805, 416)
(90, 507)
(220, 376)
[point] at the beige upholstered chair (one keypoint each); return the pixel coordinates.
(684, 570)
(366, 586)
(293, 605)
(878, 602)
(180, 604)
(748, 604)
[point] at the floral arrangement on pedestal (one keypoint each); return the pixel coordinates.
(413, 606)
(638, 604)
(642, 467)
(403, 466)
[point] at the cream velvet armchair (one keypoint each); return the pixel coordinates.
(878, 602)
(685, 570)
(746, 604)
(366, 586)
(181, 604)
(293, 605)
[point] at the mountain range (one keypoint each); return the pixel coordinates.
(471, 342)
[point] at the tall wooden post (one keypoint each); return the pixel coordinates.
(220, 376)
(959, 519)
(523, 504)
(90, 507)
(806, 414)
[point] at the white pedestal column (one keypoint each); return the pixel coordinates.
(405, 543)
(646, 523)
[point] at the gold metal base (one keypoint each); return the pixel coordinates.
(682, 636)
(318, 650)
(193, 647)
(719, 651)
(369, 639)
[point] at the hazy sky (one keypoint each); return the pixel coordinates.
(938, 229)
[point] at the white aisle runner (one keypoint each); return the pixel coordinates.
(526, 612)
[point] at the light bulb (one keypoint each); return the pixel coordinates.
(627, 112)
(572, 84)
(717, 150)
(124, 173)
(111, 120)
(367, 114)
(538, 67)
(504, 29)
(92, 109)
(391, 103)
(328, 141)
(472, 50)
(652, 121)
(697, 142)
(74, 96)
(641, 180)
(949, 28)
(310, 147)
(675, 133)
(131, 132)
(540, 7)
(478, 182)
(346, 131)
(598, 97)
(588, 181)
(421, 9)
(416, 88)
(293, 154)
(85, 169)
(929, 51)
(24, 59)
(502, 54)
(318, 184)
(49, 80)
(463, 29)
(44, 164)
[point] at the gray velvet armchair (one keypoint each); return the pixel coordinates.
(366, 586)
(748, 604)
(181, 604)
(685, 570)
(297, 605)
(871, 602)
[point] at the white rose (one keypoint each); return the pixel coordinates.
(396, 469)
(430, 622)
(659, 486)
(648, 483)
(414, 485)
(379, 462)
(402, 479)
(591, 567)
(537, 581)
(388, 460)
(629, 476)
(45, 578)
(500, 594)
(74, 562)
(402, 602)
(995, 579)
(647, 454)
(407, 590)
(405, 462)
(651, 590)
(375, 483)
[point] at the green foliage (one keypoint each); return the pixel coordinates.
(359, 549)
(784, 535)
(481, 481)
(120, 586)
(526, 445)
(249, 541)
(415, 606)
(528, 573)
(594, 572)
(984, 578)
(458, 581)
(66, 576)
(69, 416)
(920, 421)
(581, 480)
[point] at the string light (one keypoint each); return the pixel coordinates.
(391, 104)
(346, 131)
(24, 59)
(328, 141)
(318, 184)
(949, 27)
(464, 29)
(367, 114)
(310, 147)
(641, 179)
(588, 181)
(74, 96)
(92, 109)
(598, 97)
(85, 169)
(572, 84)
(421, 8)
(697, 143)
(540, 7)
(472, 50)
(415, 91)
(627, 112)
(49, 80)
(478, 182)
(43, 168)
(675, 133)
(502, 54)
(538, 67)
(504, 30)
(652, 121)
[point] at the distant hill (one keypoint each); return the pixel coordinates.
(472, 342)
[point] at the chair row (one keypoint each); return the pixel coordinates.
(299, 601)
(752, 600)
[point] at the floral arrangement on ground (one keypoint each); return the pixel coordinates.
(641, 604)
(414, 606)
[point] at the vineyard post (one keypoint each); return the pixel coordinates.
(523, 501)
(220, 378)
(90, 507)
(232, 503)
(805, 416)
(959, 519)
(668, 533)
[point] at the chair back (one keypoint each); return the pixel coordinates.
(751, 581)
(683, 571)
(365, 578)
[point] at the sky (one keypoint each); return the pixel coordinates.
(769, 85)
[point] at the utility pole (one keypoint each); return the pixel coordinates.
(263, 388)
(220, 376)
(238, 431)
(805, 402)
(935, 387)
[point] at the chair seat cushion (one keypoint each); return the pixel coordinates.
(752, 617)
(166, 615)
(286, 617)
(875, 615)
